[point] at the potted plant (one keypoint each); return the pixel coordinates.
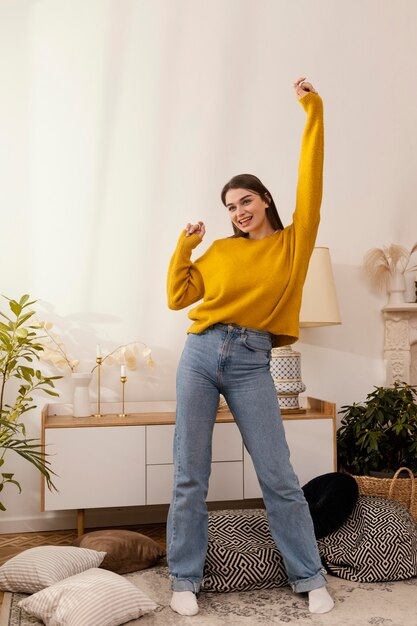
(380, 434)
(378, 439)
(19, 350)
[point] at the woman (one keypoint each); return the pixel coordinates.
(251, 286)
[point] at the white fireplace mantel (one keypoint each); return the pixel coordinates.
(400, 344)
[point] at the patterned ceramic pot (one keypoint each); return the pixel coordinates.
(286, 372)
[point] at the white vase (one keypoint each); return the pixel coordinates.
(396, 289)
(81, 402)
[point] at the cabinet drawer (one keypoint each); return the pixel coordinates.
(96, 467)
(226, 482)
(159, 442)
(311, 444)
(159, 480)
(227, 443)
(251, 487)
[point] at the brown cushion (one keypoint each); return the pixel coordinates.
(127, 551)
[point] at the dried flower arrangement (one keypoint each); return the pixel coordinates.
(380, 264)
(55, 353)
(127, 355)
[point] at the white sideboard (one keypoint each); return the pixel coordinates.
(118, 462)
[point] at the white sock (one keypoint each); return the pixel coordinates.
(319, 601)
(184, 603)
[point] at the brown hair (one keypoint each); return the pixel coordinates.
(252, 183)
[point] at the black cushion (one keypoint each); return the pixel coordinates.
(331, 498)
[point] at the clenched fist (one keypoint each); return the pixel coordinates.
(199, 229)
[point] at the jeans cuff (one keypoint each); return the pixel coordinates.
(308, 584)
(183, 584)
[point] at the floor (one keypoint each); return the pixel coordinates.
(358, 604)
(12, 544)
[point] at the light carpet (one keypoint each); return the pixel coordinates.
(356, 604)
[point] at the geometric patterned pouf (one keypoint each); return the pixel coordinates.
(378, 542)
(241, 553)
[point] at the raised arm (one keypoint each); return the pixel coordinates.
(310, 170)
(184, 282)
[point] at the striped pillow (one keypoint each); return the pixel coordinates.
(37, 568)
(96, 597)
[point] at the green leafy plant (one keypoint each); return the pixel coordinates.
(19, 349)
(379, 434)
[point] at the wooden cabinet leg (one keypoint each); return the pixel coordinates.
(80, 522)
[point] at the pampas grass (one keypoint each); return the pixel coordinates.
(381, 263)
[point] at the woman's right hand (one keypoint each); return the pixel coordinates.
(302, 88)
(197, 229)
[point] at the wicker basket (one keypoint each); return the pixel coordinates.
(402, 490)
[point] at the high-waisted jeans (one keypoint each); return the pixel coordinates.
(234, 361)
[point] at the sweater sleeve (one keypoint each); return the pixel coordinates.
(310, 170)
(184, 283)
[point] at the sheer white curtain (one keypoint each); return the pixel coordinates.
(137, 113)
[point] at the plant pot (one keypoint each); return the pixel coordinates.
(81, 401)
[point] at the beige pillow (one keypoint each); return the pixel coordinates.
(127, 551)
(94, 598)
(36, 568)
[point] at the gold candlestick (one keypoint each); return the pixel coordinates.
(123, 380)
(99, 361)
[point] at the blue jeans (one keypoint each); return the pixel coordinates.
(234, 361)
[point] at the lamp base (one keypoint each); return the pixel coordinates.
(285, 411)
(286, 373)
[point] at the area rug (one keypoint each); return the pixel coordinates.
(356, 604)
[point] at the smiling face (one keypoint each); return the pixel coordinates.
(247, 212)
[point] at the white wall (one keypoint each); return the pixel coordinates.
(120, 121)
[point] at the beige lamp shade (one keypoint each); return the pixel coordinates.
(319, 305)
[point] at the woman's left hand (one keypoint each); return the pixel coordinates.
(302, 88)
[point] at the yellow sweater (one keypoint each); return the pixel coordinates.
(257, 283)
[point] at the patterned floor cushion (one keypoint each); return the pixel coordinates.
(378, 542)
(241, 553)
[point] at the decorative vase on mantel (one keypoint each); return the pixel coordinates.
(396, 288)
(81, 401)
(386, 268)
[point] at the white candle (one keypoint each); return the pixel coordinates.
(98, 350)
(123, 370)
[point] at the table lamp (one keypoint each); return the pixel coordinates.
(319, 308)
